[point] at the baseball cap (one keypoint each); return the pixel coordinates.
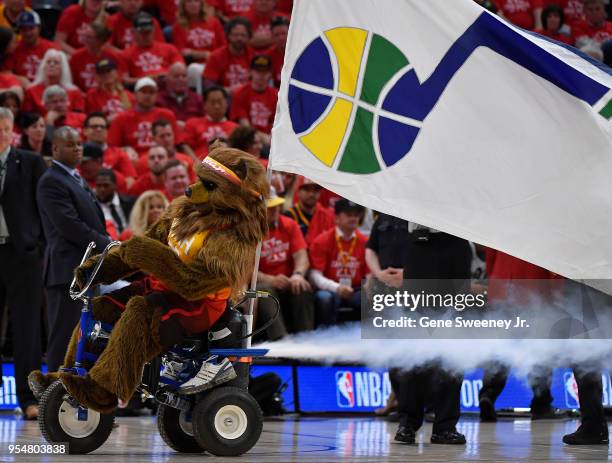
(261, 63)
(105, 65)
(344, 205)
(143, 22)
(145, 82)
(28, 19)
(274, 200)
(92, 152)
(308, 183)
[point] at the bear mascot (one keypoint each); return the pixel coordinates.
(195, 258)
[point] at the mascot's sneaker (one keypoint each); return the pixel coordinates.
(172, 370)
(210, 375)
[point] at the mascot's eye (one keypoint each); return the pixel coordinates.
(210, 186)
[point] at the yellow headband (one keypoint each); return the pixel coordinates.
(226, 173)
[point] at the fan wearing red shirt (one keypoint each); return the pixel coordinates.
(26, 58)
(573, 10)
(552, 20)
(282, 267)
(261, 16)
(200, 131)
(229, 9)
(311, 216)
(229, 65)
(83, 60)
(133, 128)
(280, 30)
(147, 57)
(73, 22)
(523, 13)
(254, 104)
(595, 25)
(108, 96)
(196, 34)
(338, 264)
(121, 24)
(56, 104)
(92, 162)
(153, 179)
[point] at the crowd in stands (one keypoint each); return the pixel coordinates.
(151, 84)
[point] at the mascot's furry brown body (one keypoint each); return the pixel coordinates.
(199, 254)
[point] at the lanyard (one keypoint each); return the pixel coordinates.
(345, 255)
(301, 215)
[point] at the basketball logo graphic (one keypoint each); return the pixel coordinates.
(342, 104)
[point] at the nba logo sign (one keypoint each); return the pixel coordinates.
(345, 392)
(571, 390)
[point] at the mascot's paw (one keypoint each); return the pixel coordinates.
(137, 248)
(88, 393)
(83, 271)
(39, 382)
(105, 310)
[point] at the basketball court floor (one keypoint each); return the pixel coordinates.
(328, 439)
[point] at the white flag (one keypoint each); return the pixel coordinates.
(443, 114)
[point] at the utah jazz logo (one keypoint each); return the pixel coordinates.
(357, 104)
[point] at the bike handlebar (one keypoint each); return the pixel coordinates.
(74, 292)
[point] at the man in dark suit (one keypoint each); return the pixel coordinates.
(71, 219)
(21, 248)
(116, 207)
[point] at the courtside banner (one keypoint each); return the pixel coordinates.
(443, 114)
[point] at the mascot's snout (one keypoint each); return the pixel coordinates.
(197, 193)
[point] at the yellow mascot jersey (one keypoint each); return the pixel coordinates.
(188, 248)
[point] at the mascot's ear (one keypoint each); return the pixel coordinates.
(241, 170)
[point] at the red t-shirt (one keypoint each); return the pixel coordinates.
(72, 22)
(98, 100)
(151, 61)
(279, 246)
(26, 59)
(8, 80)
(167, 9)
(278, 58)
(118, 160)
(142, 166)
(233, 8)
(32, 101)
(597, 34)
(258, 107)
(146, 183)
(260, 24)
(556, 36)
(335, 263)
(133, 128)
(519, 12)
(122, 29)
(199, 35)
(227, 69)
(572, 9)
(83, 66)
(199, 131)
(285, 6)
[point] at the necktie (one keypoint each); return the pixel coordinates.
(78, 178)
(116, 218)
(2, 174)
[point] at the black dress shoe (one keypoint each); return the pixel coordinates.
(582, 437)
(487, 410)
(549, 414)
(405, 434)
(448, 437)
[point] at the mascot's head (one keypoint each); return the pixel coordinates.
(230, 192)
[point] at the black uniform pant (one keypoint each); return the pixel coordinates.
(588, 380)
(496, 376)
(21, 281)
(63, 314)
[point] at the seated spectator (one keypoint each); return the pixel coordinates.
(72, 25)
(95, 130)
(280, 30)
(573, 10)
(178, 97)
(153, 179)
(133, 127)
(228, 66)
(247, 139)
(108, 96)
(91, 162)
(165, 10)
(121, 24)
(148, 56)
(147, 210)
(338, 264)
(595, 27)
(285, 7)
(26, 58)
(554, 27)
(525, 14)
(8, 81)
(95, 49)
(176, 179)
(10, 100)
(254, 104)
(33, 138)
(229, 9)
(57, 110)
(200, 131)
(282, 269)
(53, 70)
(261, 15)
(116, 207)
(312, 218)
(196, 34)
(10, 11)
